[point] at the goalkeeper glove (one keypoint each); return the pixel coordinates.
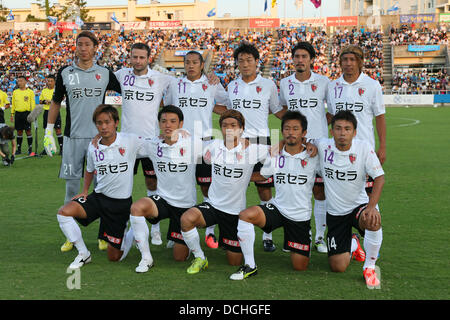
(49, 141)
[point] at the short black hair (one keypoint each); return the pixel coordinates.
(344, 115)
(246, 47)
(171, 109)
(51, 76)
(196, 53)
(294, 115)
(22, 77)
(305, 46)
(141, 46)
(88, 34)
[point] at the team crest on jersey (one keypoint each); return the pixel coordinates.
(204, 87)
(352, 157)
(122, 151)
(150, 82)
(313, 87)
(258, 89)
(182, 151)
(207, 156)
(361, 91)
(238, 156)
(304, 163)
(98, 76)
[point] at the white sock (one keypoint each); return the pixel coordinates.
(372, 245)
(155, 228)
(72, 232)
(128, 234)
(205, 199)
(151, 193)
(140, 231)
(192, 240)
(320, 216)
(354, 245)
(246, 236)
(266, 236)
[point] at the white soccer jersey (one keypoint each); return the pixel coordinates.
(293, 177)
(141, 99)
(231, 173)
(175, 169)
(363, 97)
(309, 98)
(114, 165)
(254, 100)
(197, 100)
(344, 174)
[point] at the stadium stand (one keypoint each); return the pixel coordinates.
(37, 54)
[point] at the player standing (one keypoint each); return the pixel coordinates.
(255, 97)
(142, 93)
(306, 92)
(198, 99)
(84, 85)
(344, 163)
(294, 173)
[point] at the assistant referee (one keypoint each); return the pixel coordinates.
(21, 105)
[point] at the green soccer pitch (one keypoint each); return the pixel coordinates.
(414, 257)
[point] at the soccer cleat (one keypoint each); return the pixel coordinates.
(371, 278)
(144, 265)
(156, 238)
(211, 241)
(67, 246)
(269, 246)
(102, 245)
(358, 254)
(170, 244)
(80, 261)
(244, 272)
(197, 265)
(320, 245)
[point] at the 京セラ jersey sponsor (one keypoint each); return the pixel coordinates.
(254, 100)
(114, 165)
(231, 173)
(344, 174)
(308, 97)
(84, 91)
(175, 169)
(293, 177)
(363, 97)
(141, 99)
(197, 100)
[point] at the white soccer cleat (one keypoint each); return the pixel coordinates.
(156, 238)
(80, 261)
(321, 246)
(144, 265)
(170, 244)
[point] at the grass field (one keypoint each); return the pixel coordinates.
(414, 258)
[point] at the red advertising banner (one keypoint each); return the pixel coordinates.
(342, 21)
(63, 25)
(164, 24)
(264, 23)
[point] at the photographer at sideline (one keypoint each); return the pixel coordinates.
(7, 134)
